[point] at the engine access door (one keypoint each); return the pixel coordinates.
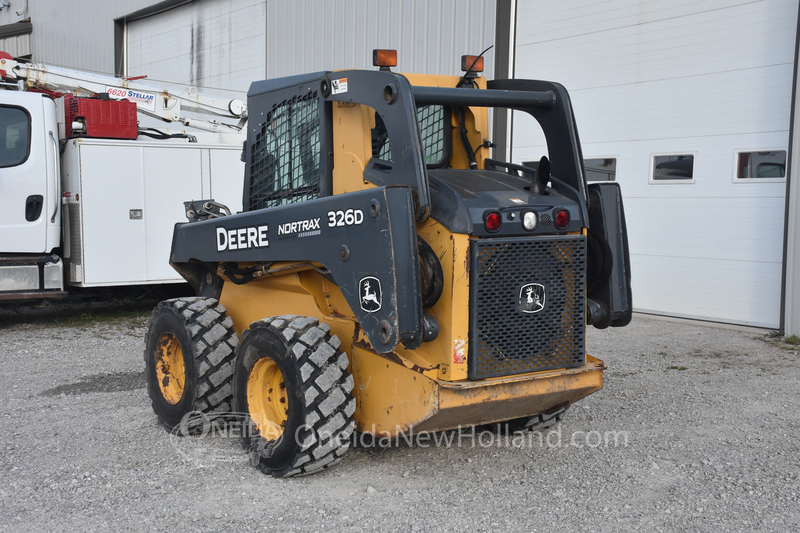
(29, 188)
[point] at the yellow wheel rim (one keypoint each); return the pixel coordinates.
(170, 370)
(267, 402)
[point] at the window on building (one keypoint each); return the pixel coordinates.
(601, 169)
(754, 165)
(14, 136)
(673, 167)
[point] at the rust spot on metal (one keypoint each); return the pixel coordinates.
(363, 344)
(389, 356)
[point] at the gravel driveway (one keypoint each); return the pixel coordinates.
(695, 430)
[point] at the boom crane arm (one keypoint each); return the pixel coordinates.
(153, 100)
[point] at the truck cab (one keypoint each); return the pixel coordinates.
(89, 192)
(30, 207)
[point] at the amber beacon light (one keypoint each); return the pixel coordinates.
(472, 63)
(384, 58)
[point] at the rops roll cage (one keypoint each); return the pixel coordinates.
(396, 101)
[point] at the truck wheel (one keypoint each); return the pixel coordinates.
(532, 423)
(188, 356)
(292, 382)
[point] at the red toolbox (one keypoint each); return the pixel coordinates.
(100, 118)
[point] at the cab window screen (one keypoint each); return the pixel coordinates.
(433, 133)
(284, 161)
(15, 126)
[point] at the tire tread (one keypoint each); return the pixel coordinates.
(214, 343)
(327, 389)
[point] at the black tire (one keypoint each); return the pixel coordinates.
(318, 421)
(207, 340)
(532, 423)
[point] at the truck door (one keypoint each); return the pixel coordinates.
(29, 189)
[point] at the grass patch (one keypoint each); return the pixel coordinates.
(792, 342)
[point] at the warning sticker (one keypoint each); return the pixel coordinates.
(459, 351)
(339, 86)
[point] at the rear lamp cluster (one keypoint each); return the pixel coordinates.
(492, 220)
(562, 219)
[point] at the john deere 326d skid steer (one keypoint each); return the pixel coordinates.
(386, 275)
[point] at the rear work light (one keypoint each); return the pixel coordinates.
(562, 219)
(384, 59)
(529, 220)
(491, 221)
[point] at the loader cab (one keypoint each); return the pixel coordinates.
(331, 133)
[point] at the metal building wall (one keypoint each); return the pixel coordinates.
(301, 36)
(77, 34)
(205, 43)
(226, 44)
(429, 35)
(309, 35)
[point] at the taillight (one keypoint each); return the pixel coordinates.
(491, 221)
(562, 219)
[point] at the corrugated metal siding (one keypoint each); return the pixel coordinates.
(16, 46)
(207, 43)
(230, 43)
(709, 77)
(301, 36)
(76, 34)
(429, 35)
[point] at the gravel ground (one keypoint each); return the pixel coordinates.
(695, 430)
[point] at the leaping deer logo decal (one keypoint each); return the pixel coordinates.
(369, 290)
(531, 298)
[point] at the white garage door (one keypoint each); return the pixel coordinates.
(213, 44)
(692, 101)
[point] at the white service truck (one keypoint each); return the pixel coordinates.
(89, 197)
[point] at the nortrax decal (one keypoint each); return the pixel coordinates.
(305, 228)
(242, 238)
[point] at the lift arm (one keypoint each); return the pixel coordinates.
(151, 99)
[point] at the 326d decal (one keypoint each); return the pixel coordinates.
(350, 217)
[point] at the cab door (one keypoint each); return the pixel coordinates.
(29, 182)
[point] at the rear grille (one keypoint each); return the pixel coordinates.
(527, 305)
